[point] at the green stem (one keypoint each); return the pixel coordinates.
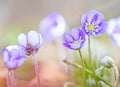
(91, 62)
(89, 72)
(83, 67)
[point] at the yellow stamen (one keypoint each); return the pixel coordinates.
(90, 27)
(76, 42)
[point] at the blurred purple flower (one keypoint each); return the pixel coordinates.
(113, 30)
(13, 57)
(52, 26)
(75, 40)
(93, 23)
(30, 43)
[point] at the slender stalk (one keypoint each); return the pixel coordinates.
(116, 74)
(89, 72)
(83, 67)
(69, 84)
(12, 78)
(36, 69)
(8, 79)
(91, 61)
(113, 75)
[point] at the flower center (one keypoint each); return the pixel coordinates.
(76, 42)
(90, 27)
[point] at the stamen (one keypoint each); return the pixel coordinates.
(76, 42)
(91, 27)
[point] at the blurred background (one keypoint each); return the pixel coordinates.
(17, 16)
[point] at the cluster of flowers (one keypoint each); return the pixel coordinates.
(92, 24)
(28, 45)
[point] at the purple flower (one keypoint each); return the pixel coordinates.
(93, 23)
(52, 26)
(113, 30)
(75, 40)
(13, 57)
(30, 43)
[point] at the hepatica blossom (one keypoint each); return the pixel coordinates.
(113, 30)
(30, 43)
(75, 40)
(13, 57)
(52, 26)
(93, 23)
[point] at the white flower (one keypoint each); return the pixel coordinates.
(52, 26)
(107, 61)
(30, 43)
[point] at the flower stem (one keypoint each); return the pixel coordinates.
(13, 78)
(89, 72)
(10, 78)
(83, 67)
(91, 61)
(113, 75)
(116, 74)
(36, 69)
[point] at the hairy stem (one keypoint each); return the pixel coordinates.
(89, 72)
(116, 75)
(83, 67)
(8, 79)
(36, 69)
(113, 75)
(91, 61)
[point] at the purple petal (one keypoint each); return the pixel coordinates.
(33, 38)
(5, 55)
(20, 60)
(22, 40)
(16, 62)
(83, 19)
(22, 49)
(75, 33)
(75, 46)
(95, 17)
(68, 38)
(11, 64)
(90, 15)
(100, 17)
(41, 40)
(67, 45)
(15, 53)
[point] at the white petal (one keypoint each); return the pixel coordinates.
(41, 40)
(33, 38)
(5, 55)
(22, 40)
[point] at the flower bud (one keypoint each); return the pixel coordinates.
(107, 61)
(91, 83)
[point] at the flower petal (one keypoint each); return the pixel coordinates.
(68, 38)
(15, 53)
(20, 60)
(41, 40)
(11, 64)
(22, 39)
(90, 15)
(5, 55)
(83, 19)
(75, 33)
(33, 38)
(75, 46)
